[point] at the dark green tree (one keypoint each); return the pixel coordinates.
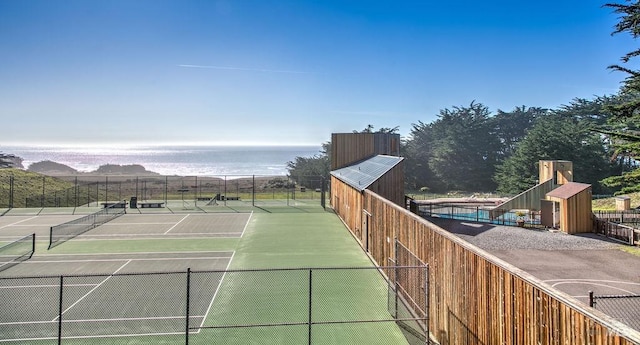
(511, 127)
(554, 137)
(594, 111)
(309, 171)
(629, 22)
(417, 150)
(371, 129)
(463, 149)
(623, 125)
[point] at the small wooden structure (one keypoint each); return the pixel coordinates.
(568, 208)
(563, 204)
(361, 161)
(560, 171)
(623, 203)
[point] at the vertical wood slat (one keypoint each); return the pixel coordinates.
(477, 299)
(348, 148)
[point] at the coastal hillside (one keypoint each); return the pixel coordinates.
(57, 169)
(30, 185)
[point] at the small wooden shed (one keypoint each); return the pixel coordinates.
(568, 208)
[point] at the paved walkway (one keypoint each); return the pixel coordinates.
(574, 264)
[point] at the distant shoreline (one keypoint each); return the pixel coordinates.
(170, 160)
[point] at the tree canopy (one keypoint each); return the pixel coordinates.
(554, 137)
(469, 148)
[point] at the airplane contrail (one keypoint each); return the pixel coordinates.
(244, 69)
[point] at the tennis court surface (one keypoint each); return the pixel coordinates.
(113, 291)
(128, 227)
(221, 278)
(131, 226)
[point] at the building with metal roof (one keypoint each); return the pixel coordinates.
(365, 173)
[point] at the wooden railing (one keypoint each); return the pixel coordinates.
(620, 232)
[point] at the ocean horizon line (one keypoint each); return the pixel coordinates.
(143, 145)
(170, 159)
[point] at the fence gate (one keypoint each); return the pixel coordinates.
(409, 295)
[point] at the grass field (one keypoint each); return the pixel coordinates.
(286, 237)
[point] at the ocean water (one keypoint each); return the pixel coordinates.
(171, 160)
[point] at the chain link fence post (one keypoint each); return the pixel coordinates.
(186, 333)
(60, 310)
(310, 302)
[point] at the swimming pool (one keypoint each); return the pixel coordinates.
(475, 214)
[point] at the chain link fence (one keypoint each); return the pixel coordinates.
(274, 306)
(92, 190)
(624, 308)
(409, 296)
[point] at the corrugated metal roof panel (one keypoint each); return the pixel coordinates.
(361, 175)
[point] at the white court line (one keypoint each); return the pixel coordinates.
(120, 319)
(30, 225)
(120, 224)
(215, 293)
(18, 222)
(128, 259)
(595, 284)
(93, 336)
(180, 317)
(180, 221)
(43, 286)
(246, 224)
(578, 280)
(140, 238)
(137, 253)
(92, 290)
(160, 233)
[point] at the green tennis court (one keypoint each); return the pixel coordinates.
(107, 295)
(126, 281)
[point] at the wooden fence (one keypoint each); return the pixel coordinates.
(623, 233)
(476, 298)
(622, 217)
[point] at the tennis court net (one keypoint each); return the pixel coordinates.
(61, 233)
(17, 251)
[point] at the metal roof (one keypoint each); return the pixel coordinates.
(568, 190)
(361, 175)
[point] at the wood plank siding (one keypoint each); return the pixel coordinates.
(348, 148)
(475, 298)
(560, 172)
(574, 201)
(391, 185)
(347, 203)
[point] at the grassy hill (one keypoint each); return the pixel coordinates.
(27, 185)
(610, 203)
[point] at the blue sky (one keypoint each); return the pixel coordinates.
(286, 72)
